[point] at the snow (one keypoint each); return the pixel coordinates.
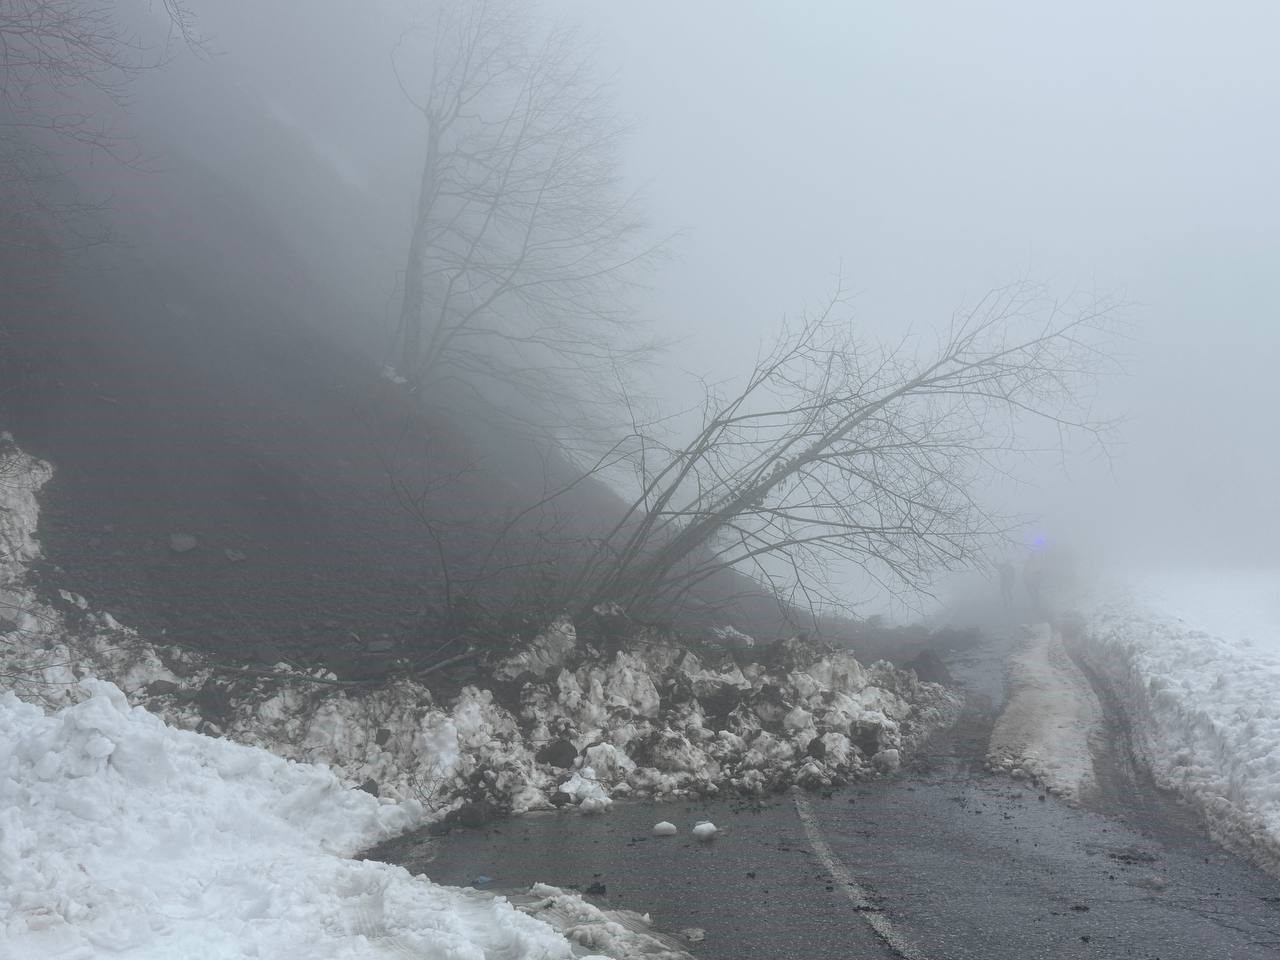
(1194, 659)
(704, 830)
(1050, 716)
(664, 828)
(586, 791)
(123, 837)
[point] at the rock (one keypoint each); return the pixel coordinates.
(705, 831)
(235, 556)
(473, 815)
(382, 736)
(370, 786)
(817, 749)
(597, 889)
(214, 701)
(560, 798)
(438, 830)
(558, 753)
(930, 668)
(182, 542)
(160, 688)
(694, 934)
(664, 829)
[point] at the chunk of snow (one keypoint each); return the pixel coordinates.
(664, 828)
(585, 788)
(887, 760)
(705, 830)
(547, 651)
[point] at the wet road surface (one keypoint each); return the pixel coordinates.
(947, 861)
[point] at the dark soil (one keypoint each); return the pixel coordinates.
(167, 408)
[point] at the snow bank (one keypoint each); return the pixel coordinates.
(1205, 709)
(1050, 716)
(122, 837)
(652, 721)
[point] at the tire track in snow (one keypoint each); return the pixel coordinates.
(880, 924)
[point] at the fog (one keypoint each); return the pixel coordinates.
(930, 151)
(921, 153)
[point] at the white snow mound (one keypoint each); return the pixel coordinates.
(705, 830)
(122, 837)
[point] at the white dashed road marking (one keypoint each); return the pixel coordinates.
(877, 921)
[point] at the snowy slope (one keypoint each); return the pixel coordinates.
(1204, 702)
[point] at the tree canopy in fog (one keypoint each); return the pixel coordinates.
(524, 243)
(62, 63)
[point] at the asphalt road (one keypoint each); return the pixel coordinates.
(945, 862)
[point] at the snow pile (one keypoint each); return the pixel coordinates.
(1205, 712)
(1050, 716)
(577, 725)
(121, 836)
(660, 721)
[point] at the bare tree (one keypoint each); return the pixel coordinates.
(523, 246)
(839, 452)
(61, 63)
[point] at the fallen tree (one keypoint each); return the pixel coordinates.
(839, 452)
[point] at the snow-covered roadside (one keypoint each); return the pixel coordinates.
(1204, 709)
(651, 721)
(122, 837)
(1050, 718)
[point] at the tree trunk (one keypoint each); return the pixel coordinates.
(409, 346)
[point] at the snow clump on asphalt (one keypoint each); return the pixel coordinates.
(704, 830)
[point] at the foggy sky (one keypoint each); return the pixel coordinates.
(933, 150)
(926, 152)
